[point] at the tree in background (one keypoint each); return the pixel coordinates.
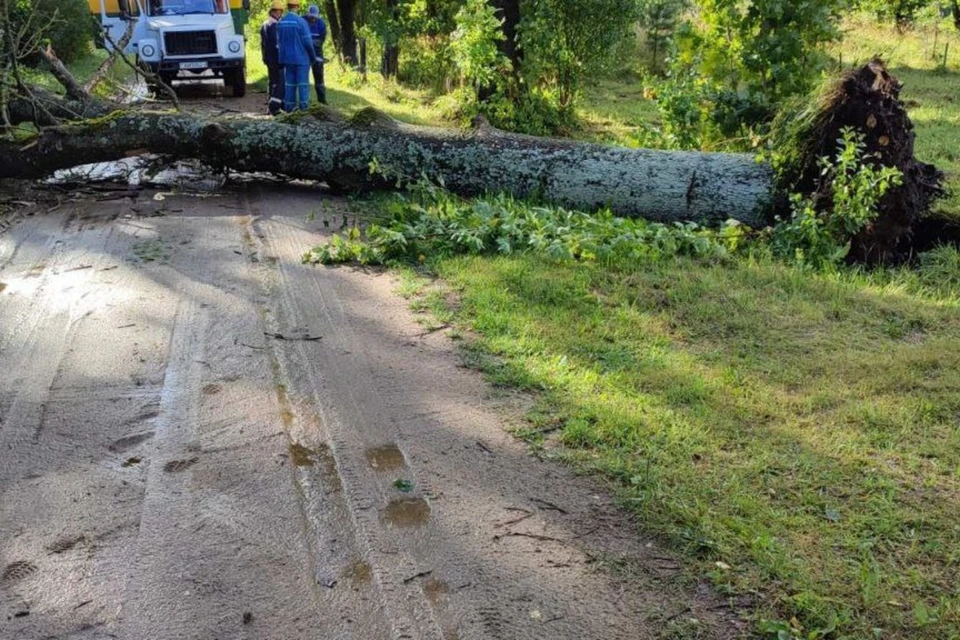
(902, 13)
(743, 60)
(565, 41)
(659, 20)
(474, 45)
(65, 23)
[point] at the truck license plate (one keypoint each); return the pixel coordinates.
(193, 65)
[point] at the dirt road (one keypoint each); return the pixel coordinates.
(202, 438)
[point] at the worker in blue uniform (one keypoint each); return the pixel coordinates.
(297, 55)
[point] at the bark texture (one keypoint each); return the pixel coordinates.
(660, 185)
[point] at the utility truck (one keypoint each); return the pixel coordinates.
(180, 38)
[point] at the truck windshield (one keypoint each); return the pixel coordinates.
(186, 7)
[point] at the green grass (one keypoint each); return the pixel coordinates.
(615, 109)
(803, 429)
(347, 92)
(82, 69)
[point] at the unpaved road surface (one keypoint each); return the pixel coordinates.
(202, 438)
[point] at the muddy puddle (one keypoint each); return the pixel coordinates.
(301, 456)
(359, 573)
(406, 512)
(386, 458)
(435, 590)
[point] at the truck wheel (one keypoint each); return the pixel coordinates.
(238, 80)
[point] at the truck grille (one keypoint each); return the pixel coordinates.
(190, 43)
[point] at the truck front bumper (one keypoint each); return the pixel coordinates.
(217, 65)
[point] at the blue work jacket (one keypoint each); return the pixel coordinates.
(294, 43)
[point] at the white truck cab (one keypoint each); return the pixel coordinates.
(178, 38)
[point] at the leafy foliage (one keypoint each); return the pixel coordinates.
(902, 12)
(565, 41)
(65, 24)
(659, 20)
(746, 58)
(474, 44)
(430, 223)
(820, 230)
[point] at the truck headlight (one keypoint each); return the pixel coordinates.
(234, 47)
(148, 51)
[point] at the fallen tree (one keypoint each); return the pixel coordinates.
(372, 151)
(661, 185)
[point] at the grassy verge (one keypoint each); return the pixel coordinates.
(347, 91)
(796, 435)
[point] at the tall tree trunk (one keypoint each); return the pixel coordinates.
(333, 23)
(390, 60)
(509, 12)
(347, 12)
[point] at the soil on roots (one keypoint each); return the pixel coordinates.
(868, 100)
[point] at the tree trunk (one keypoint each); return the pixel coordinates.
(333, 22)
(509, 12)
(660, 185)
(346, 11)
(955, 10)
(390, 60)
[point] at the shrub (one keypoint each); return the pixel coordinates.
(749, 57)
(820, 229)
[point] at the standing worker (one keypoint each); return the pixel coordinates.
(318, 33)
(271, 57)
(296, 54)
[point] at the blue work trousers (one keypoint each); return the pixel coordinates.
(297, 87)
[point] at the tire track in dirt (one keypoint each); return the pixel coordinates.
(64, 497)
(405, 608)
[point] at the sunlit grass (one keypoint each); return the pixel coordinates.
(800, 428)
(348, 92)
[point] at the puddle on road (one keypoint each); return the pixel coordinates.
(359, 573)
(183, 176)
(406, 512)
(301, 456)
(435, 590)
(329, 464)
(386, 458)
